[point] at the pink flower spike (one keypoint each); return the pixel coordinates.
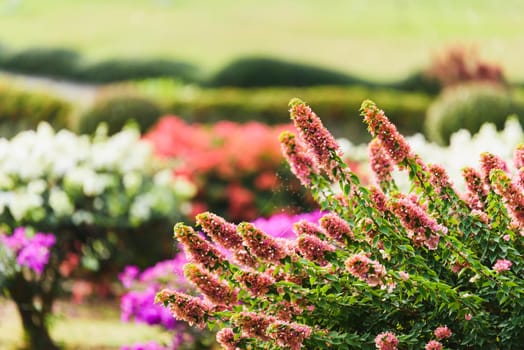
(304, 227)
(198, 249)
(336, 227)
(226, 338)
(255, 282)
(379, 161)
(489, 162)
(314, 249)
(380, 127)
(295, 152)
(253, 324)
(442, 332)
(386, 341)
(502, 265)
(215, 291)
(289, 335)
(185, 307)
(518, 157)
(318, 139)
(221, 231)
(261, 244)
(439, 178)
(433, 345)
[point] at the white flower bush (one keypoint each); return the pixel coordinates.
(60, 176)
(464, 150)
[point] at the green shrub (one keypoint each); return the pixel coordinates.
(126, 69)
(116, 111)
(20, 110)
(338, 105)
(469, 106)
(261, 72)
(418, 81)
(43, 61)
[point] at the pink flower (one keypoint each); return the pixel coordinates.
(433, 345)
(386, 341)
(255, 282)
(185, 307)
(506, 237)
(295, 152)
(261, 244)
(336, 228)
(215, 291)
(289, 335)
(226, 338)
(304, 227)
(379, 198)
(439, 178)
(366, 269)
(468, 317)
(502, 265)
(513, 196)
(221, 231)
(318, 139)
(442, 332)
(380, 127)
(198, 249)
(404, 275)
(253, 324)
(379, 162)
(518, 157)
(314, 249)
(489, 162)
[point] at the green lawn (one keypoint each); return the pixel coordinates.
(375, 38)
(81, 327)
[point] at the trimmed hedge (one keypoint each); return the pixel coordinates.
(264, 72)
(117, 110)
(21, 110)
(469, 106)
(43, 61)
(338, 106)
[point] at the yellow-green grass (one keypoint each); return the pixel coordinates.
(80, 327)
(380, 39)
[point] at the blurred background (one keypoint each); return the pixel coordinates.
(197, 81)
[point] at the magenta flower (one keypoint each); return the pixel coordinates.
(433, 345)
(318, 139)
(129, 275)
(386, 341)
(336, 227)
(502, 265)
(442, 332)
(300, 162)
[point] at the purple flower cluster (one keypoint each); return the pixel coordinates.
(32, 252)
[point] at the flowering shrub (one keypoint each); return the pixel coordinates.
(138, 302)
(238, 167)
(384, 269)
(90, 192)
(464, 150)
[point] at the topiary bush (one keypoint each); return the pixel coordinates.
(469, 106)
(261, 71)
(117, 110)
(21, 110)
(387, 270)
(115, 70)
(54, 62)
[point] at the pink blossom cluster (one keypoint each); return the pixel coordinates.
(442, 332)
(30, 251)
(433, 345)
(502, 265)
(366, 269)
(295, 153)
(386, 341)
(379, 161)
(184, 307)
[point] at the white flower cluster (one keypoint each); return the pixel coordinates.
(463, 150)
(61, 176)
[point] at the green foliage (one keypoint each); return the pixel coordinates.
(418, 81)
(337, 105)
(128, 69)
(20, 110)
(260, 72)
(117, 110)
(43, 61)
(469, 106)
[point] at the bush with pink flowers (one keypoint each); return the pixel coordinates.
(432, 268)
